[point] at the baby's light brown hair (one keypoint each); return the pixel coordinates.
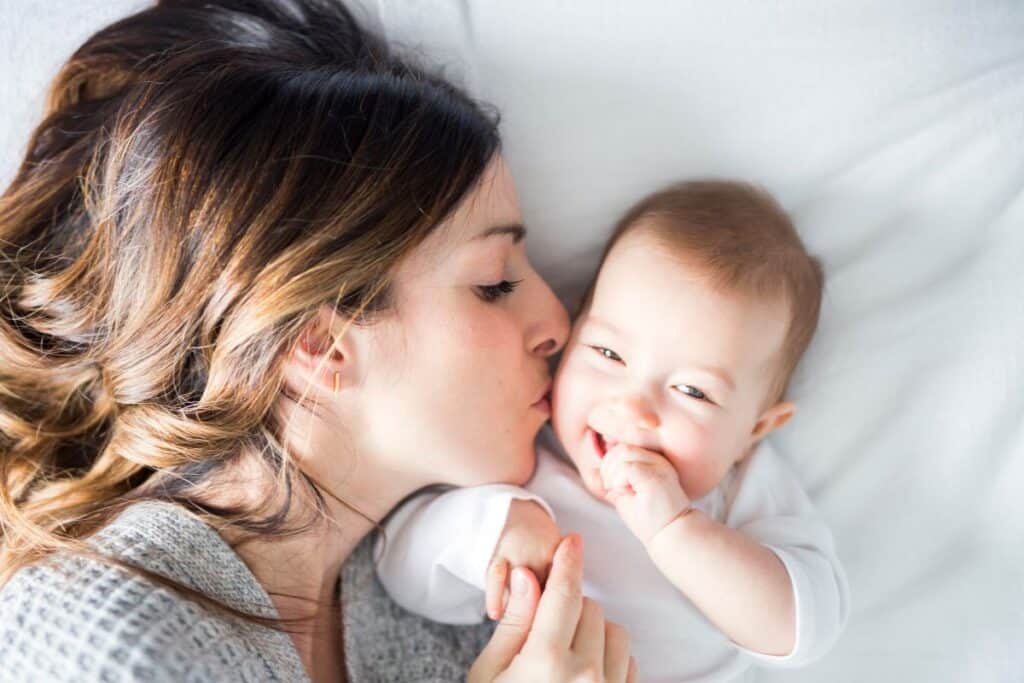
(744, 242)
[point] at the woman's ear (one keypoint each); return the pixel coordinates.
(324, 356)
(771, 419)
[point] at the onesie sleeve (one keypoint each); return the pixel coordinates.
(770, 506)
(434, 553)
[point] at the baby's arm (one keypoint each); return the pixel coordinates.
(771, 507)
(741, 586)
(435, 554)
(768, 578)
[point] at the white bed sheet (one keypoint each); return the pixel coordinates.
(894, 132)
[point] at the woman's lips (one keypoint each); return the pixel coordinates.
(544, 402)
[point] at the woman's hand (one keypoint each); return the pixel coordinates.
(529, 540)
(557, 636)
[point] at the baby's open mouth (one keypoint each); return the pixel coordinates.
(601, 443)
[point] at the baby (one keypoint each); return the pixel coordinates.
(697, 537)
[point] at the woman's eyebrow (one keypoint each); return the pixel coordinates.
(517, 231)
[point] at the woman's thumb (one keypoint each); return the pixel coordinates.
(511, 633)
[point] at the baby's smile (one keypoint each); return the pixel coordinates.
(602, 444)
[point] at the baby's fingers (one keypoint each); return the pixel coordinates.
(612, 474)
(641, 476)
(497, 581)
(615, 477)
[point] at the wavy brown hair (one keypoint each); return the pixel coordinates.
(207, 176)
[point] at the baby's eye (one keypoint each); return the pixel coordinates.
(692, 392)
(608, 353)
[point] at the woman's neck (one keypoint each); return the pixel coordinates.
(301, 571)
(302, 575)
(306, 565)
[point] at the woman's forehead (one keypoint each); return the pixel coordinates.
(488, 216)
(492, 202)
(492, 206)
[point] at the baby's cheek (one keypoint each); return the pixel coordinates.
(691, 449)
(570, 398)
(688, 438)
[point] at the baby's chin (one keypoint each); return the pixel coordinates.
(592, 482)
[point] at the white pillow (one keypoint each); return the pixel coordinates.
(894, 133)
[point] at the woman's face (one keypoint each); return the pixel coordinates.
(455, 381)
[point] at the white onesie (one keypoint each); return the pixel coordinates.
(439, 545)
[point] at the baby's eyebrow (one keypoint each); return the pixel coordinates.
(719, 374)
(603, 323)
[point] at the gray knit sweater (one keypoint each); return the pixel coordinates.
(76, 619)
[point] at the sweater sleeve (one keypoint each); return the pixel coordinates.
(770, 506)
(434, 554)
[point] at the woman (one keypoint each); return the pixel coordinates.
(260, 283)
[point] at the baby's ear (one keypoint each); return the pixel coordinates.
(771, 419)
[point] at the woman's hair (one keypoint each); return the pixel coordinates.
(206, 176)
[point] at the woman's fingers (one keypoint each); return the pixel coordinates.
(589, 642)
(559, 610)
(558, 633)
(513, 629)
(616, 653)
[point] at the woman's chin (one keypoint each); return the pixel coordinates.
(515, 469)
(524, 471)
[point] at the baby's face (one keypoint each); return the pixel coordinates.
(662, 361)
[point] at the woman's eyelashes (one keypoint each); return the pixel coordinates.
(492, 293)
(684, 389)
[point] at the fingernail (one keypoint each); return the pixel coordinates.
(520, 586)
(573, 543)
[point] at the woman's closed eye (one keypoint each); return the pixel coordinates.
(494, 292)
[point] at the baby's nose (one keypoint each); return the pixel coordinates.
(635, 412)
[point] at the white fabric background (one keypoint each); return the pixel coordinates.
(894, 132)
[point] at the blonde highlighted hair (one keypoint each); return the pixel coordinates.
(207, 176)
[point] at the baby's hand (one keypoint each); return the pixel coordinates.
(528, 540)
(644, 488)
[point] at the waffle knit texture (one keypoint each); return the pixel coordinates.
(71, 618)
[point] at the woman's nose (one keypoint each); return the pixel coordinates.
(550, 330)
(546, 348)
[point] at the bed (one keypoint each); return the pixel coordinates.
(894, 133)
